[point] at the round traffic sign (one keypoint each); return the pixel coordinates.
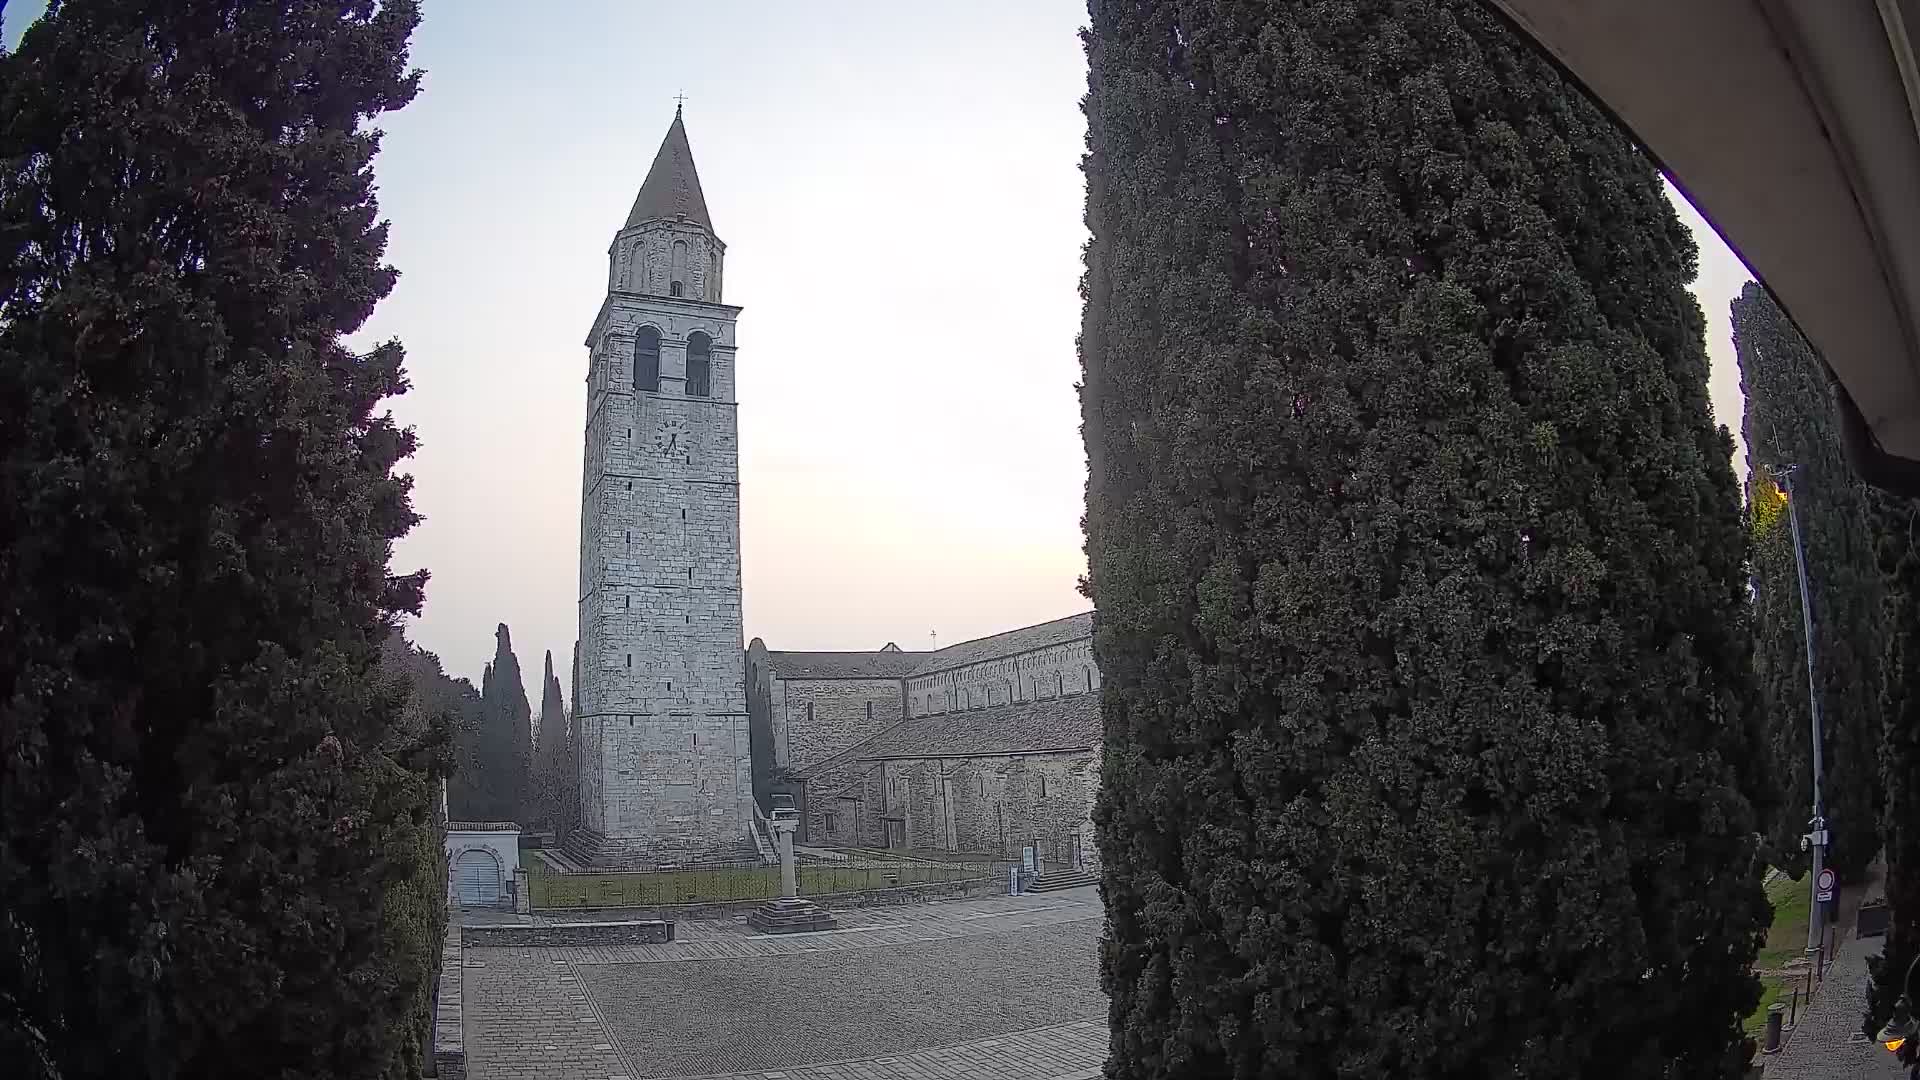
(1825, 881)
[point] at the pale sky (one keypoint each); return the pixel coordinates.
(898, 187)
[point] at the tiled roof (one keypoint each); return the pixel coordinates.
(672, 187)
(892, 663)
(1063, 723)
(1025, 639)
(842, 665)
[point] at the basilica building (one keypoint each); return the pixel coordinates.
(987, 747)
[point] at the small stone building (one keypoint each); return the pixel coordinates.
(481, 859)
(984, 747)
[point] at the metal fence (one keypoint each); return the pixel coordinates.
(730, 882)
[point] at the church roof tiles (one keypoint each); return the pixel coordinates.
(1025, 639)
(672, 186)
(842, 665)
(893, 663)
(1024, 727)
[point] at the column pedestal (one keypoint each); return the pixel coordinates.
(791, 913)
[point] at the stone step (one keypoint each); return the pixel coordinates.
(1055, 880)
(557, 860)
(790, 915)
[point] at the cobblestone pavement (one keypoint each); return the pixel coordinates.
(1064, 1052)
(777, 1012)
(533, 1021)
(1826, 1044)
(1002, 986)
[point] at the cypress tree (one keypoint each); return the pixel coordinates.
(1417, 558)
(507, 744)
(570, 769)
(1789, 420)
(550, 755)
(1897, 529)
(209, 794)
(468, 798)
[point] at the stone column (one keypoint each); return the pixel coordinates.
(790, 912)
(783, 839)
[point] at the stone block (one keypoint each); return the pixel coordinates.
(557, 935)
(790, 915)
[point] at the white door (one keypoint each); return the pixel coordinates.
(476, 878)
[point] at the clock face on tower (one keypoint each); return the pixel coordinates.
(670, 438)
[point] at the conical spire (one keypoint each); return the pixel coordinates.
(672, 186)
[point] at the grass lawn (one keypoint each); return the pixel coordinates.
(1786, 941)
(648, 888)
(1772, 989)
(1787, 937)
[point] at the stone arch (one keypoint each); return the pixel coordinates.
(679, 281)
(478, 878)
(699, 364)
(646, 358)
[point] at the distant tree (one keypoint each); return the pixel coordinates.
(438, 695)
(1418, 563)
(1897, 529)
(209, 791)
(570, 783)
(506, 741)
(550, 751)
(1790, 420)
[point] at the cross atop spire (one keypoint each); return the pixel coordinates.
(672, 186)
(679, 99)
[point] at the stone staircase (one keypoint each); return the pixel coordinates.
(1055, 880)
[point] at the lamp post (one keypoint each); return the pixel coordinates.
(1815, 840)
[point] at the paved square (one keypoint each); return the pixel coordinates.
(1005, 987)
(722, 1016)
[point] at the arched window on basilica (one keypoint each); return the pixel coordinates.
(646, 360)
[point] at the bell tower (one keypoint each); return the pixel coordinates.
(664, 764)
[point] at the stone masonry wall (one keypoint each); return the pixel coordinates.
(985, 805)
(1048, 672)
(681, 784)
(641, 260)
(665, 771)
(849, 827)
(814, 719)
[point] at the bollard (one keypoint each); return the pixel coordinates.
(1793, 1016)
(1776, 1013)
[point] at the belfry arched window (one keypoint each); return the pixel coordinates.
(677, 284)
(699, 365)
(646, 360)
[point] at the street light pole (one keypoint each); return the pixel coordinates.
(1816, 838)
